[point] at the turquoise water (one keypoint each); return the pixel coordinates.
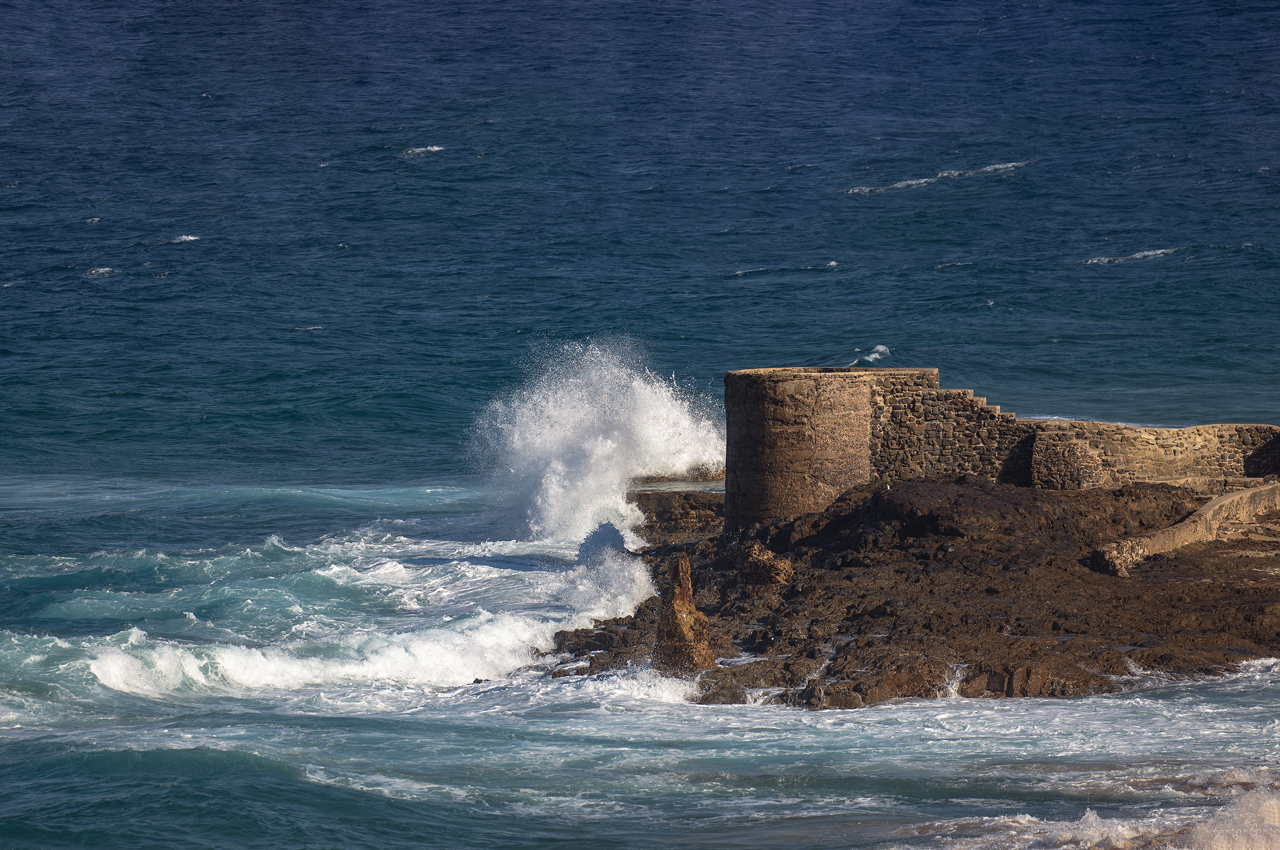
(328, 334)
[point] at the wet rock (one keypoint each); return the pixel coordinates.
(937, 588)
(678, 516)
(681, 647)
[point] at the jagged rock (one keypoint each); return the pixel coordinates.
(678, 516)
(930, 588)
(681, 647)
(1116, 558)
(758, 566)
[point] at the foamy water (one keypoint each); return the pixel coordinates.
(250, 570)
(590, 420)
(403, 656)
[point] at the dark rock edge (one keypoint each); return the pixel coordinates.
(923, 589)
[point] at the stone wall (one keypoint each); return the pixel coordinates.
(921, 431)
(798, 437)
(795, 439)
(1121, 454)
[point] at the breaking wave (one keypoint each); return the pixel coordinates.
(590, 419)
(878, 353)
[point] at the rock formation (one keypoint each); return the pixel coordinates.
(933, 588)
(1203, 525)
(680, 645)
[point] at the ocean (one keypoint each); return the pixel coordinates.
(329, 332)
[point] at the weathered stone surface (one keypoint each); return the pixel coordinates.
(1203, 525)
(968, 588)
(1060, 461)
(758, 566)
(678, 516)
(797, 437)
(680, 643)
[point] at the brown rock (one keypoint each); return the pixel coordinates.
(678, 516)
(964, 587)
(681, 646)
(757, 565)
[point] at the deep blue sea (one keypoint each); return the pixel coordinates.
(329, 331)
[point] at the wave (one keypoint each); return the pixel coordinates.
(1141, 255)
(1251, 822)
(364, 614)
(783, 269)
(878, 353)
(416, 152)
(101, 272)
(941, 175)
(589, 420)
(441, 626)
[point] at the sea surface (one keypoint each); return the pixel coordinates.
(329, 332)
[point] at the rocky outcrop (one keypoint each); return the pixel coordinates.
(680, 645)
(678, 516)
(966, 588)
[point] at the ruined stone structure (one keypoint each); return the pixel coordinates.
(798, 437)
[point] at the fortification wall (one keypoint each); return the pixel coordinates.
(795, 440)
(1122, 454)
(921, 431)
(798, 437)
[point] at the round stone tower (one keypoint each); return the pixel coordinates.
(796, 439)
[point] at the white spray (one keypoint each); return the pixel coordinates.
(589, 420)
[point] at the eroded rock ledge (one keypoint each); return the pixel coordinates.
(928, 588)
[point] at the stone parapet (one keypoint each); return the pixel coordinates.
(798, 437)
(795, 439)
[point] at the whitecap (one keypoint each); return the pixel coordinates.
(1141, 255)
(941, 175)
(178, 239)
(878, 353)
(911, 184)
(1003, 166)
(414, 152)
(435, 652)
(101, 272)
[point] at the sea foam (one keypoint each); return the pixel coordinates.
(941, 175)
(878, 353)
(500, 621)
(1141, 255)
(590, 419)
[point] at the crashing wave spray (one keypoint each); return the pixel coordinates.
(589, 420)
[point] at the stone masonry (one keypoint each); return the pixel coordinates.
(798, 437)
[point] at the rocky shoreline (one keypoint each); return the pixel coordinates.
(930, 588)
